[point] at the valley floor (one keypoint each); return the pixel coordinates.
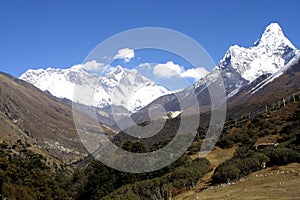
(271, 183)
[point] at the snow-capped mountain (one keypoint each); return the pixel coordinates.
(241, 66)
(120, 87)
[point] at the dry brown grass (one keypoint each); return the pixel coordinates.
(271, 183)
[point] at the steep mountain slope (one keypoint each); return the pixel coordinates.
(269, 90)
(114, 88)
(40, 119)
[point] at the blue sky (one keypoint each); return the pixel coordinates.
(61, 33)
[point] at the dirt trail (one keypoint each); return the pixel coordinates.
(215, 157)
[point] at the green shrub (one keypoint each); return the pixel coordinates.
(136, 147)
(163, 187)
(242, 164)
(281, 155)
(25, 175)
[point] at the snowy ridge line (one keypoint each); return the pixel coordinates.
(121, 87)
(275, 75)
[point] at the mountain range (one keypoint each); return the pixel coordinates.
(120, 83)
(245, 72)
(240, 67)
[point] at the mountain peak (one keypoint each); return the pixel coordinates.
(272, 31)
(118, 69)
(241, 65)
(273, 28)
(273, 37)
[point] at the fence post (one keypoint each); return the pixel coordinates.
(234, 123)
(294, 98)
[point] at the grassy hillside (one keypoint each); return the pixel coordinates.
(273, 139)
(270, 183)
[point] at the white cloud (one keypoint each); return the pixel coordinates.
(171, 75)
(195, 73)
(167, 70)
(92, 66)
(126, 54)
(145, 66)
(171, 69)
